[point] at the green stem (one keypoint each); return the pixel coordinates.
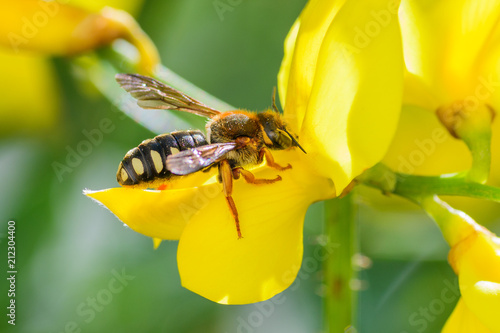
(340, 299)
(424, 186)
(471, 124)
(479, 144)
(417, 187)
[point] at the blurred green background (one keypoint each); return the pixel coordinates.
(69, 249)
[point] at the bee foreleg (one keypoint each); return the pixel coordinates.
(270, 160)
(226, 176)
(250, 178)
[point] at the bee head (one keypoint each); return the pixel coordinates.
(276, 134)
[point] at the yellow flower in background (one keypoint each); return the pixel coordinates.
(343, 99)
(475, 258)
(130, 6)
(451, 57)
(36, 106)
(451, 54)
(48, 27)
(31, 31)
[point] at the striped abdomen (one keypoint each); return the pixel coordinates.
(148, 162)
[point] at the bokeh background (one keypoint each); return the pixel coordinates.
(69, 248)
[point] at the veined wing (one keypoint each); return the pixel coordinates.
(195, 159)
(152, 94)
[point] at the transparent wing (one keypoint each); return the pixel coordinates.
(152, 94)
(195, 159)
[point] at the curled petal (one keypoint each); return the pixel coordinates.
(53, 28)
(214, 263)
(50, 27)
(130, 30)
(356, 95)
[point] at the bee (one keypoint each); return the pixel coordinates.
(234, 139)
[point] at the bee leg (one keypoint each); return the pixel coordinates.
(162, 187)
(226, 177)
(270, 160)
(250, 178)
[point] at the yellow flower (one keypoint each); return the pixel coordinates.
(326, 49)
(343, 101)
(36, 105)
(475, 258)
(48, 27)
(451, 55)
(31, 31)
(477, 262)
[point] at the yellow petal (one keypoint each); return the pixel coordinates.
(131, 6)
(214, 263)
(30, 100)
(299, 67)
(487, 81)
(149, 57)
(357, 91)
(444, 42)
(271, 222)
(156, 242)
(423, 146)
(286, 63)
(58, 29)
(50, 27)
(462, 320)
(479, 277)
(416, 93)
(158, 214)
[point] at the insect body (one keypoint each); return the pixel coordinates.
(145, 165)
(234, 139)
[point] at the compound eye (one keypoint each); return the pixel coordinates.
(283, 139)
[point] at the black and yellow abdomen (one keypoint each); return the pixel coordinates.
(147, 163)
